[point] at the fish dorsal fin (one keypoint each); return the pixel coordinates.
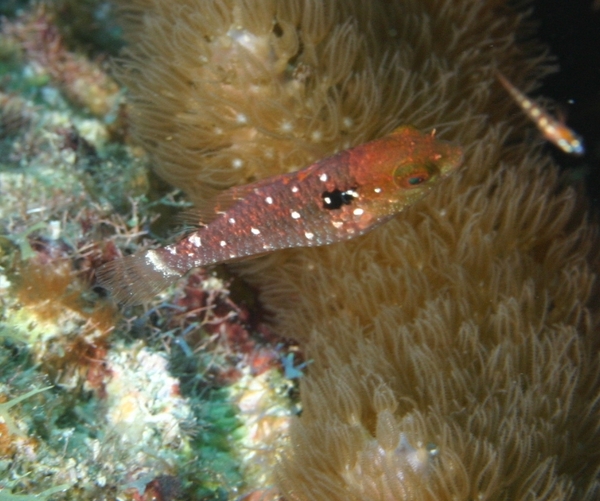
(205, 212)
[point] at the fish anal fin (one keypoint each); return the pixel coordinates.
(134, 279)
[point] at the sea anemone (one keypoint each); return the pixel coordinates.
(454, 348)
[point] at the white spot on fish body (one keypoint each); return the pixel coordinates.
(237, 163)
(337, 224)
(358, 212)
(241, 118)
(269, 200)
(327, 200)
(223, 243)
(255, 231)
(172, 250)
(294, 189)
(231, 220)
(323, 177)
(309, 235)
(195, 240)
(154, 260)
(316, 136)
(377, 190)
(295, 215)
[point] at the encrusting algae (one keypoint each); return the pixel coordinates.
(454, 350)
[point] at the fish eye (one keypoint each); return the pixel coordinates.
(409, 176)
(416, 180)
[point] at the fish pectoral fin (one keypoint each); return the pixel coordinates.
(191, 219)
(200, 214)
(205, 213)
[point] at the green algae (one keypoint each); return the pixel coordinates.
(21, 240)
(4, 407)
(7, 496)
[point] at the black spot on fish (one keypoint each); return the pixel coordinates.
(335, 199)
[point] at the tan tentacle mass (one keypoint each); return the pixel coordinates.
(455, 348)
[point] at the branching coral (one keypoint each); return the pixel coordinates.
(466, 326)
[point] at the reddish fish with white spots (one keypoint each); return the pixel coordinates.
(335, 199)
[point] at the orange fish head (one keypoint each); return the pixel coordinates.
(400, 168)
(570, 142)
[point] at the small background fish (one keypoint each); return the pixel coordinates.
(335, 199)
(553, 130)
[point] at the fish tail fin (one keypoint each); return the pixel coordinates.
(137, 278)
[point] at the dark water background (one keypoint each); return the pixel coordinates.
(571, 28)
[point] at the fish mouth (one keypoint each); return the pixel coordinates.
(452, 158)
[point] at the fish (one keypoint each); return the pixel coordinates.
(335, 199)
(553, 130)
